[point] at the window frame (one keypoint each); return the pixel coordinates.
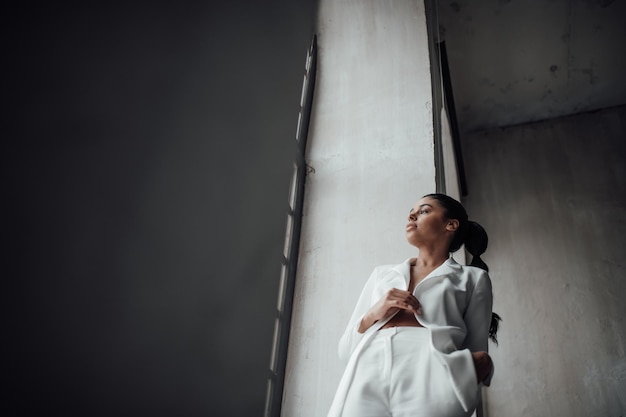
(282, 321)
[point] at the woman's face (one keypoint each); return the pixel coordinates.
(427, 223)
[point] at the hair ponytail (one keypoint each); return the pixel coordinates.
(493, 327)
(476, 242)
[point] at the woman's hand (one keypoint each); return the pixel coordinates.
(393, 301)
(483, 365)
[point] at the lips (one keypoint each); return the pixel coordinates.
(411, 226)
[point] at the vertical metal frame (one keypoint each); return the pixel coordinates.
(282, 324)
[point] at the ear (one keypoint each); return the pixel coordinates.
(452, 225)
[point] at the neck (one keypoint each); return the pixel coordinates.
(431, 256)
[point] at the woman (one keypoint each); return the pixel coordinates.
(416, 343)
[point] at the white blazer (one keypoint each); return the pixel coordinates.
(456, 308)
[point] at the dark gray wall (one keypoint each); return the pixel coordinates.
(147, 166)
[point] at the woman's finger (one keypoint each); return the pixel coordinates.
(405, 300)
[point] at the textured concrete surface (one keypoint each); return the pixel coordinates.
(515, 61)
(552, 197)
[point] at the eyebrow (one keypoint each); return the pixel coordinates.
(420, 206)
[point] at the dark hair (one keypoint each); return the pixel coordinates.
(475, 239)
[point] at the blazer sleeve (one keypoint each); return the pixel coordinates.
(351, 336)
(478, 317)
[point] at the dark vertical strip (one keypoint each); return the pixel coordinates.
(451, 110)
(437, 97)
(277, 381)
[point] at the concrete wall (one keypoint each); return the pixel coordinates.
(552, 197)
(371, 149)
(512, 62)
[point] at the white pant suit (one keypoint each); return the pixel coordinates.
(414, 371)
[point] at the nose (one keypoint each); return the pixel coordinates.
(412, 216)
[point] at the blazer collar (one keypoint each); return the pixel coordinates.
(448, 267)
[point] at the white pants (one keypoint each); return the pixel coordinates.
(397, 375)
